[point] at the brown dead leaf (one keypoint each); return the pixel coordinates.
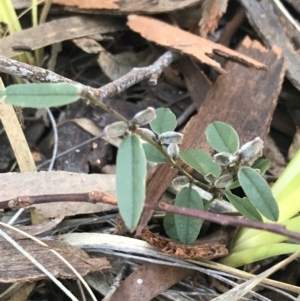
(212, 11)
(130, 6)
(200, 248)
(148, 281)
(57, 31)
(15, 267)
(88, 45)
(187, 43)
(57, 182)
(115, 66)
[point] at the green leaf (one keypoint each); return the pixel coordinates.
(169, 225)
(165, 121)
(222, 137)
(131, 178)
(244, 206)
(234, 185)
(259, 193)
(41, 95)
(153, 154)
(201, 161)
(261, 164)
(188, 228)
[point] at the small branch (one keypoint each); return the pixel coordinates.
(100, 197)
(172, 162)
(223, 219)
(133, 77)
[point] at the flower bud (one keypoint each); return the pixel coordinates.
(225, 159)
(251, 150)
(144, 117)
(116, 129)
(180, 181)
(173, 151)
(170, 137)
(223, 181)
(148, 133)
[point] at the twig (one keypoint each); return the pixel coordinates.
(38, 265)
(100, 197)
(133, 77)
(97, 95)
(116, 283)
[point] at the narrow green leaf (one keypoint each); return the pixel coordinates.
(261, 164)
(169, 225)
(258, 192)
(244, 206)
(131, 177)
(153, 154)
(188, 228)
(165, 121)
(41, 95)
(201, 161)
(222, 137)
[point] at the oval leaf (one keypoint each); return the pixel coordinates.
(244, 206)
(258, 192)
(169, 225)
(201, 161)
(131, 178)
(41, 95)
(261, 164)
(165, 121)
(188, 228)
(222, 137)
(153, 154)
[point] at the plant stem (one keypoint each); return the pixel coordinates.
(87, 95)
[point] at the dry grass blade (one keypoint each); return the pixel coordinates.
(242, 289)
(107, 243)
(38, 265)
(16, 136)
(56, 254)
(244, 275)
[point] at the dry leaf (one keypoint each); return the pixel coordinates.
(187, 43)
(115, 66)
(130, 6)
(13, 185)
(21, 291)
(207, 250)
(92, 128)
(57, 31)
(212, 11)
(15, 267)
(88, 45)
(148, 281)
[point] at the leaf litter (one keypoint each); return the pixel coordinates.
(120, 52)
